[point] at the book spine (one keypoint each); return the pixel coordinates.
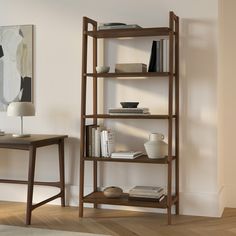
(93, 142)
(167, 55)
(152, 61)
(103, 143)
(158, 56)
(161, 55)
(147, 199)
(164, 51)
(110, 142)
(97, 142)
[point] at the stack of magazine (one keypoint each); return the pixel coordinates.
(147, 193)
(128, 111)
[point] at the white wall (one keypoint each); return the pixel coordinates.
(227, 111)
(57, 94)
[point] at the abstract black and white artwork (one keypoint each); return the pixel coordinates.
(16, 64)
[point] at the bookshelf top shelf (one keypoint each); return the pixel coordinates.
(123, 33)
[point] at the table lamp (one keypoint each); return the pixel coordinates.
(21, 109)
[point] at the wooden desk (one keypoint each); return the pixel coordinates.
(31, 144)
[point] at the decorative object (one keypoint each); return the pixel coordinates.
(16, 64)
(130, 67)
(102, 69)
(129, 104)
(113, 192)
(156, 147)
(21, 109)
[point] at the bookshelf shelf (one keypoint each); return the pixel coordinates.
(129, 75)
(141, 159)
(99, 198)
(108, 116)
(123, 33)
(171, 161)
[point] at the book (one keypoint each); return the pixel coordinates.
(131, 113)
(126, 154)
(153, 57)
(147, 194)
(128, 110)
(108, 27)
(146, 189)
(165, 55)
(93, 141)
(107, 142)
(161, 55)
(88, 139)
(159, 199)
(158, 57)
(97, 142)
(130, 67)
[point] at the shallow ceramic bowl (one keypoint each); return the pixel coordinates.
(112, 192)
(129, 104)
(102, 69)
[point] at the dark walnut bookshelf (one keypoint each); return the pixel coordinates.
(172, 159)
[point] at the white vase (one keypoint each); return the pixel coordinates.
(156, 147)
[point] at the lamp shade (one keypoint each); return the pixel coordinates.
(21, 109)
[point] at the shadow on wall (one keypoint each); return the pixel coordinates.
(71, 167)
(198, 89)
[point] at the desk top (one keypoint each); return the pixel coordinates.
(34, 139)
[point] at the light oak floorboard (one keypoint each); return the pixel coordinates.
(117, 222)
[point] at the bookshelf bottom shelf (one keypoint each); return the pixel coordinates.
(99, 198)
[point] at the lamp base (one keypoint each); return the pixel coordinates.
(20, 135)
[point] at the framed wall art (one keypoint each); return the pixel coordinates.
(16, 64)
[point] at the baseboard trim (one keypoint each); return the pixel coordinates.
(191, 203)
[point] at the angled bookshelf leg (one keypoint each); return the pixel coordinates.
(95, 91)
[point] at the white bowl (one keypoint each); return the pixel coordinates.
(102, 69)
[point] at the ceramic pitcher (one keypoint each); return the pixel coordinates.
(156, 147)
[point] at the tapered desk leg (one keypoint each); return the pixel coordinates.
(31, 172)
(61, 169)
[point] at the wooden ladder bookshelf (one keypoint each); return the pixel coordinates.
(172, 32)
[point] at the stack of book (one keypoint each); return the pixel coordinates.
(128, 111)
(126, 154)
(147, 193)
(159, 59)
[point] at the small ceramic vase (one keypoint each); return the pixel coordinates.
(156, 147)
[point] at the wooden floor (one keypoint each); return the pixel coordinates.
(114, 222)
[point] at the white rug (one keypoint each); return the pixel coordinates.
(6, 230)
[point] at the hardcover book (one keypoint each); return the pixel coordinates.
(108, 27)
(128, 110)
(126, 154)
